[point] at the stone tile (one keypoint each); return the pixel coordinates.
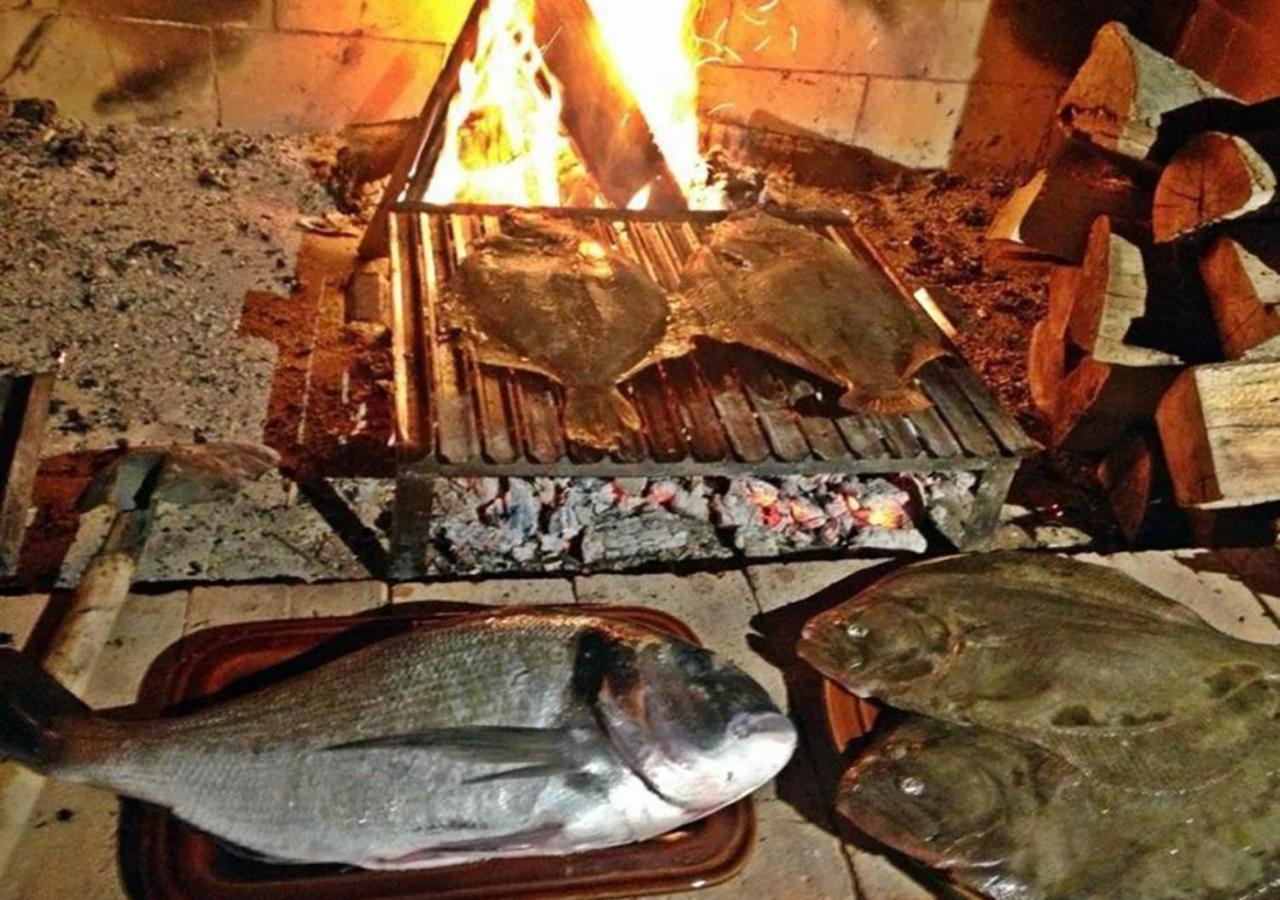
(146, 626)
(879, 879)
(18, 616)
(211, 607)
(911, 122)
(1204, 581)
(321, 81)
(808, 104)
(349, 598)
(493, 591)
(781, 584)
(330, 17)
(1259, 570)
(56, 56)
(922, 39)
(1004, 128)
(191, 12)
(435, 22)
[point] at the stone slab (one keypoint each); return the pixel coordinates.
(493, 591)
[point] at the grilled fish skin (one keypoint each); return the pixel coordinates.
(549, 298)
(501, 735)
(779, 288)
(1078, 659)
(1015, 822)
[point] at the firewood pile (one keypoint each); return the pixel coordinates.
(1160, 353)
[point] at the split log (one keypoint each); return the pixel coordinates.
(1216, 177)
(1125, 90)
(1220, 425)
(1241, 272)
(600, 111)
(1140, 307)
(1137, 485)
(1047, 360)
(1050, 217)
(1099, 402)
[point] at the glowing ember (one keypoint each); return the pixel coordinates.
(504, 142)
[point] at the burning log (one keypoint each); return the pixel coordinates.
(1125, 91)
(1217, 177)
(1241, 272)
(1220, 425)
(600, 111)
(1140, 308)
(1052, 214)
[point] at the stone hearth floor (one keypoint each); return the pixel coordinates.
(66, 848)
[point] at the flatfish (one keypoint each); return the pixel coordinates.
(782, 290)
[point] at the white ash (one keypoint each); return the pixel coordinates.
(491, 525)
(125, 257)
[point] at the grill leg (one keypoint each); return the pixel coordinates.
(988, 499)
(411, 525)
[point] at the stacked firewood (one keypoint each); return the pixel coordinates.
(1160, 353)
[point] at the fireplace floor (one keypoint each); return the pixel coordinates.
(66, 846)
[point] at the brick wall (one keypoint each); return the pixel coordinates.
(970, 84)
(271, 64)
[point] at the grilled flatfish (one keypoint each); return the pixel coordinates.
(504, 735)
(548, 298)
(783, 290)
(1129, 687)
(1016, 822)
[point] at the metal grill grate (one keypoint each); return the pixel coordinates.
(719, 411)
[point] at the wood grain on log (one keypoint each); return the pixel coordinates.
(1241, 272)
(1216, 177)
(1099, 402)
(1047, 360)
(1220, 425)
(1125, 89)
(1050, 217)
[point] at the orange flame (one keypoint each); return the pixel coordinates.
(504, 142)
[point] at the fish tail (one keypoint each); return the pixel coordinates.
(599, 417)
(886, 402)
(33, 708)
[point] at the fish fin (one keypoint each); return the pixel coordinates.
(599, 417)
(887, 402)
(922, 354)
(529, 839)
(524, 746)
(542, 771)
(33, 707)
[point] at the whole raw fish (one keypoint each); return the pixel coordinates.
(1126, 685)
(781, 289)
(1016, 822)
(498, 736)
(546, 297)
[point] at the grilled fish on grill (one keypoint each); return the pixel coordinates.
(783, 290)
(501, 735)
(1129, 687)
(1012, 820)
(548, 298)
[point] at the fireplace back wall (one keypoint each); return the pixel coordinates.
(969, 84)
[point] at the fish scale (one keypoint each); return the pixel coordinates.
(510, 734)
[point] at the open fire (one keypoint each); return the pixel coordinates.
(504, 141)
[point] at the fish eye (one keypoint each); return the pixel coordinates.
(857, 630)
(911, 786)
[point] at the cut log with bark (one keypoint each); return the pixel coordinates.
(1241, 272)
(600, 112)
(1215, 178)
(1141, 306)
(1125, 90)
(1048, 357)
(1220, 425)
(1100, 402)
(1137, 485)
(1050, 216)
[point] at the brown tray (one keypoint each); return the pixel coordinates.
(161, 858)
